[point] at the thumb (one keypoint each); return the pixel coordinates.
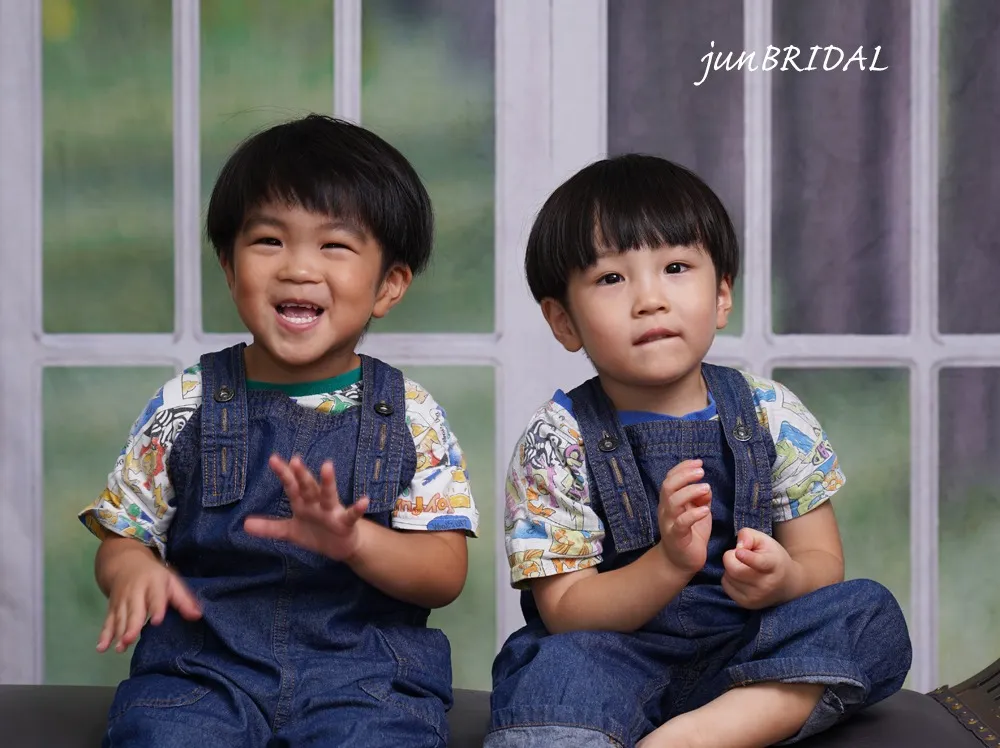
(748, 538)
(757, 559)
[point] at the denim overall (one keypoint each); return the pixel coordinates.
(293, 648)
(600, 688)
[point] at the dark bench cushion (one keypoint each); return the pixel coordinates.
(73, 717)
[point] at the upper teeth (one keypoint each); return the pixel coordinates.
(305, 313)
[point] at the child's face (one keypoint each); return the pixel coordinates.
(646, 318)
(305, 285)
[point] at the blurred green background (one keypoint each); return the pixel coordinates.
(428, 88)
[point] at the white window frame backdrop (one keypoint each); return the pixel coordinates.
(551, 119)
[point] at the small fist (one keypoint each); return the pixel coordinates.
(757, 571)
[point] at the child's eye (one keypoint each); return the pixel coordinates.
(609, 279)
(335, 245)
(676, 267)
(268, 241)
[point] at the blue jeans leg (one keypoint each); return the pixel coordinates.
(851, 637)
(171, 711)
(583, 688)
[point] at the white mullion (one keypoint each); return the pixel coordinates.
(347, 59)
(924, 423)
(556, 53)
(187, 168)
(523, 149)
(577, 136)
(533, 365)
(579, 85)
(22, 540)
(756, 337)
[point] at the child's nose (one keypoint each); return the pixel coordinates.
(650, 300)
(299, 266)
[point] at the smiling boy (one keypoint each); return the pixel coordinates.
(282, 607)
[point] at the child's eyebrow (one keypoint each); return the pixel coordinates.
(690, 248)
(264, 220)
(258, 220)
(346, 226)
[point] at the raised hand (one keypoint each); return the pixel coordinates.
(319, 521)
(685, 516)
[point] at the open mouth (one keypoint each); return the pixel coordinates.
(299, 312)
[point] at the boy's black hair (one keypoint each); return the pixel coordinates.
(618, 204)
(328, 166)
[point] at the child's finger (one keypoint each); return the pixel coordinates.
(735, 589)
(183, 600)
(751, 539)
(687, 519)
(309, 490)
(265, 527)
(357, 510)
(287, 477)
(156, 599)
(684, 466)
(329, 497)
(679, 476)
(698, 495)
(760, 562)
(107, 634)
(735, 568)
(136, 619)
(121, 623)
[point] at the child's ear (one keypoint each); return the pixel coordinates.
(724, 302)
(394, 284)
(561, 324)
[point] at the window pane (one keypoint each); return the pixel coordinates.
(88, 412)
(467, 395)
(657, 104)
(969, 523)
(261, 63)
(873, 508)
(107, 180)
(969, 180)
(428, 89)
(841, 170)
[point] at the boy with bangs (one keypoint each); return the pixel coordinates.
(286, 610)
(669, 520)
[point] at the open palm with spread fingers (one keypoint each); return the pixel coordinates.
(319, 521)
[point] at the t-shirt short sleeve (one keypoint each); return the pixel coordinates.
(806, 471)
(549, 526)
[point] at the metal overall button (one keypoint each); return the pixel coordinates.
(224, 394)
(383, 409)
(607, 444)
(741, 432)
